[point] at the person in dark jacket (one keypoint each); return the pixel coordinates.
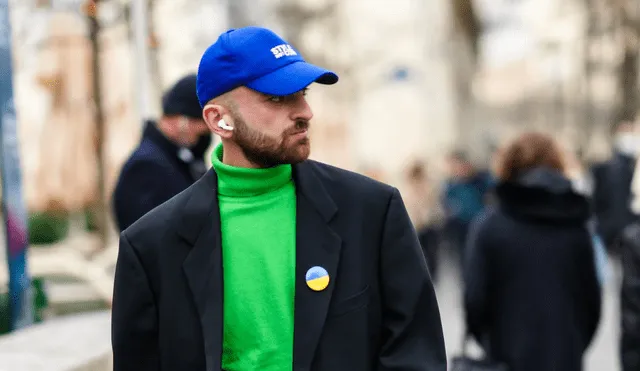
(169, 158)
(532, 295)
(271, 261)
(465, 195)
(612, 186)
(630, 298)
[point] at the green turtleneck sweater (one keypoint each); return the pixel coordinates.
(258, 226)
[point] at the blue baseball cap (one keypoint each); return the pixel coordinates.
(259, 59)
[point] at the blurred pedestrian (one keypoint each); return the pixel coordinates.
(425, 213)
(630, 293)
(578, 174)
(272, 261)
(612, 185)
(531, 288)
(466, 194)
(630, 298)
(169, 158)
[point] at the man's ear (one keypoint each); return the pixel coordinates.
(212, 114)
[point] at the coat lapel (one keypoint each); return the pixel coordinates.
(316, 245)
(203, 266)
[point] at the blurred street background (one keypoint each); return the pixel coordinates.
(419, 80)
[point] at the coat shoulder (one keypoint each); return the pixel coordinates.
(160, 218)
(349, 181)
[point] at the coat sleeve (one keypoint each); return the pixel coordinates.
(589, 294)
(475, 272)
(412, 336)
(134, 321)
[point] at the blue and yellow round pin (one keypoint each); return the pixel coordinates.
(317, 278)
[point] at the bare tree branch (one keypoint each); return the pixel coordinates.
(628, 22)
(90, 9)
(466, 22)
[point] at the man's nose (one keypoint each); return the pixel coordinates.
(302, 110)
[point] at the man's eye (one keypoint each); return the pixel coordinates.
(276, 98)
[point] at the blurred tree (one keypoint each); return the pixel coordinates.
(467, 23)
(599, 34)
(154, 45)
(43, 4)
(463, 54)
(588, 110)
(629, 22)
(618, 22)
(466, 33)
(90, 9)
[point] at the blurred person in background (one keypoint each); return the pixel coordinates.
(577, 173)
(169, 158)
(271, 261)
(630, 290)
(425, 214)
(494, 158)
(465, 195)
(532, 294)
(612, 185)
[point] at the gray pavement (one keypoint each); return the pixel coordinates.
(603, 354)
(74, 343)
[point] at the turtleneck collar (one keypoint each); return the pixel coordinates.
(247, 182)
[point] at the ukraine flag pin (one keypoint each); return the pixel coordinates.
(317, 278)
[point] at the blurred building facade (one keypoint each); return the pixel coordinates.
(400, 63)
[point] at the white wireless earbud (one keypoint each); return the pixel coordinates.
(224, 125)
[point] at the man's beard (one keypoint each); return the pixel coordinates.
(265, 151)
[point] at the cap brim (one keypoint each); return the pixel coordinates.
(292, 78)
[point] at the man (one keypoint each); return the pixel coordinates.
(612, 186)
(630, 298)
(465, 196)
(421, 202)
(169, 159)
(630, 288)
(272, 261)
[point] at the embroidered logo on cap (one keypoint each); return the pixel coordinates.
(283, 50)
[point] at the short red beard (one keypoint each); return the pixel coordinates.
(265, 151)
